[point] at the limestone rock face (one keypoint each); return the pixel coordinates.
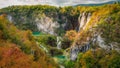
(47, 25)
(78, 48)
(89, 36)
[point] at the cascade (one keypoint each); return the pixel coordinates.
(10, 18)
(59, 39)
(44, 48)
(32, 52)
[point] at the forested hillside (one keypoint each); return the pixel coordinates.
(18, 48)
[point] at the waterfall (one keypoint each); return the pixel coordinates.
(9, 18)
(44, 48)
(32, 52)
(59, 39)
(83, 19)
(61, 66)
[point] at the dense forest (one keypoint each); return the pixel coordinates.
(88, 36)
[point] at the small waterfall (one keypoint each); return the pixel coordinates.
(32, 52)
(59, 42)
(44, 48)
(9, 18)
(61, 66)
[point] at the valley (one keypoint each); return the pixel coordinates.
(60, 37)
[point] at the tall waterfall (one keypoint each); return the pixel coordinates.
(83, 19)
(59, 42)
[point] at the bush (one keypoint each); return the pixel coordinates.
(71, 35)
(47, 40)
(69, 64)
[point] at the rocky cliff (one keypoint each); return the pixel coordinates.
(96, 30)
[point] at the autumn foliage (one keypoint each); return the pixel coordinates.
(71, 35)
(18, 48)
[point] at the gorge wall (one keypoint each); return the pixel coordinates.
(48, 25)
(95, 31)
